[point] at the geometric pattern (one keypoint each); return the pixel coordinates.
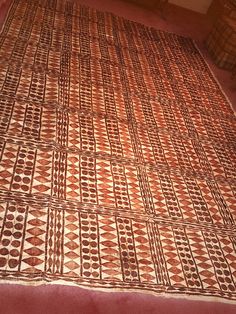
(117, 156)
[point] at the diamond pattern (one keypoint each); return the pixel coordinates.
(117, 156)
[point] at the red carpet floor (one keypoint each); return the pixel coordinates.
(60, 299)
(68, 300)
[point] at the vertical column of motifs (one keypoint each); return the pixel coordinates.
(90, 246)
(135, 193)
(191, 199)
(12, 78)
(203, 261)
(48, 125)
(219, 155)
(150, 122)
(179, 146)
(87, 141)
(33, 113)
(109, 249)
(73, 184)
(54, 59)
(150, 262)
(228, 246)
(159, 266)
(157, 72)
(142, 174)
(23, 248)
(219, 262)
(55, 240)
(23, 170)
(88, 181)
(171, 200)
(205, 162)
(196, 196)
(108, 91)
(133, 132)
(112, 126)
(229, 191)
(189, 266)
(16, 68)
(76, 71)
(64, 80)
(19, 121)
(25, 28)
(84, 64)
(170, 121)
(65, 61)
(8, 155)
(11, 236)
(14, 11)
(34, 109)
(128, 255)
(158, 198)
(59, 166)
(178, 90)
(105, 188)
(6, 107)
(34, 244)
(32, 121)
(194, 190)
(42, 180)
(220, 203)
(174, 274)
(60, 156)
(84, 61)
(40, 62)
(153, 134)
(72, 244)
(15, 52)
(27, 88)
(228, 127)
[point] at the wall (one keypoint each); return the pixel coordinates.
(195, 5)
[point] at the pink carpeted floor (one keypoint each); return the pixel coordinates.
(16, 299)
(68, 300)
